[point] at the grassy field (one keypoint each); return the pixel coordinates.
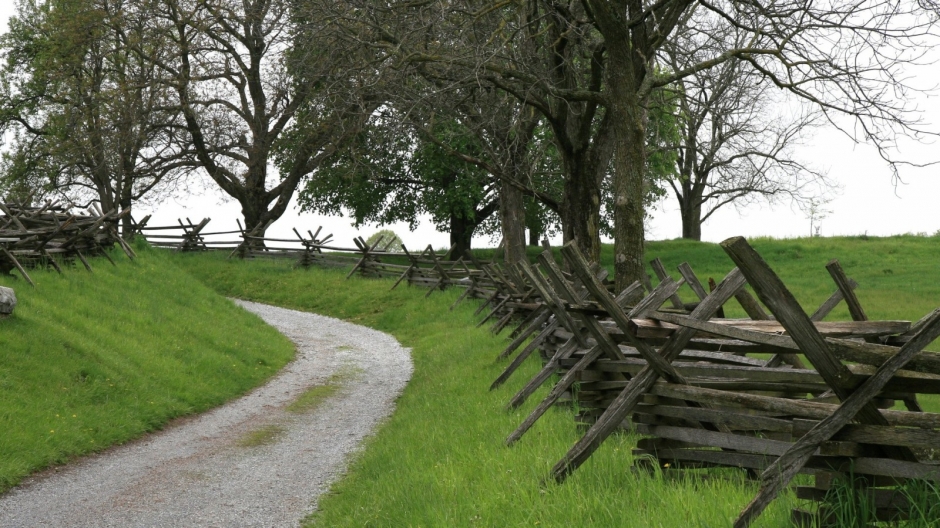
(92, 360)
(440, 460)
(897, 276)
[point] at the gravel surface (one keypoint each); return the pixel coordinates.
(202, 473)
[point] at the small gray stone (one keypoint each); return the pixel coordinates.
(7, 301)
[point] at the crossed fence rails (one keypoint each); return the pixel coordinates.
(54, 235)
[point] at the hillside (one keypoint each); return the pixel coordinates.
(91, 360)
(897, 276)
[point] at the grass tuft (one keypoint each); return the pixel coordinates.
(266, 435)
(849, 503)
(314, 396)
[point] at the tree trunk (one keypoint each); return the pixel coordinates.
(581, 210)
(534, 235)
(691, 211)
(512, 220)
(461, 233)
(629, 120)
(126, 222)
(106, 198)
(125, 191)
(256, 214)
(690, 205)
(534, 222)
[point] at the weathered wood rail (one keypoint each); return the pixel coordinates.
(705, 391)
(54, 235)
(185, 236)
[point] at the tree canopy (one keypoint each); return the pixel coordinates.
(500, 116)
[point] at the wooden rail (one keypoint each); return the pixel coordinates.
(53, 235)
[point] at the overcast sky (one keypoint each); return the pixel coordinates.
(869, 202)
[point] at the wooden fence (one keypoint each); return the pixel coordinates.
(53, 235)
(426, 269)
(714, 392)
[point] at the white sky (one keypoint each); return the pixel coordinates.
(869, 203)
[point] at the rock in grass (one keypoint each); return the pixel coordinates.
(7, 301)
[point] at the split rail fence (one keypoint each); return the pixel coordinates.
(53, 235)
(706, 391)
(427, 268)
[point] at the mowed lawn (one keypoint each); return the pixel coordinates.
(440, 461)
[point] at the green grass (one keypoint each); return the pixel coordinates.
(440, 459)
(308, 401)
(849, 506)
(313, 397)
(91, 360)
(897, 276)
(103, 347)
(262, 436)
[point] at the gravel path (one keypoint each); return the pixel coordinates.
(203, 473)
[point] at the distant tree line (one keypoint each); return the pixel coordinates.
(502, 117)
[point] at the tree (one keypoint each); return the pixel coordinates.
(89, 116)
(555, 63)
(816, 212)
(547, 56)
(505, 145)
(256, 78)
(844, 57)
(388, 238)
(392, 173)
(737, 134)
(543, 55)
(469, 195)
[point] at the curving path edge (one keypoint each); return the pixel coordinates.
(201, 473)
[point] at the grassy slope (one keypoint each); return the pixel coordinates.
(92, 360)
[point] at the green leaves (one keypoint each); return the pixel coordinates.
(392, 174)
(85, 109)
